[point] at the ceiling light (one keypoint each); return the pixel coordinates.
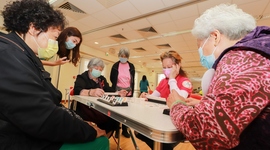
(52, 1)
(104, 46)
(132, 41)
(96, 42)
(154, 37)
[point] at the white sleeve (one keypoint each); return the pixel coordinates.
(173, 86)
(156, 93)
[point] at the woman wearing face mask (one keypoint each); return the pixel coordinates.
(68, 49)
(234, 112)
(122, 78)
(31, 115)
(175, 79)
(92, 83)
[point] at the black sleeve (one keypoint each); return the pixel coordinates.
(27, 104)
(79, 85)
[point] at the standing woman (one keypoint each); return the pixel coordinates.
(69, 42)
(144, 85)
(122, 78)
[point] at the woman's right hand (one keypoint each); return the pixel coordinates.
(96, 92)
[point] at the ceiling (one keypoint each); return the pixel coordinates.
(147, 27)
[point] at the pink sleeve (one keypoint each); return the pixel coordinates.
(238, 93)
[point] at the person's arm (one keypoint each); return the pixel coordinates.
(81, 88)
(60, 61)
(173, 86)
(148, 86)
(106, 86)
(230, 105)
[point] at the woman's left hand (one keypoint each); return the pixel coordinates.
(173, 97)
(174, 71)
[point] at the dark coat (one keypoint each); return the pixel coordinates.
(31, 117)
(90, 114)
(114, 75)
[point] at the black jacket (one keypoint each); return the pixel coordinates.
(84, 82)
(114, 75)
(88, 113)
(31, 117)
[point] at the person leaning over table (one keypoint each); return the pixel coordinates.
(92, 83)
(234, 113)
(31, 116)
(175, 79)
(69, 42)
(122, 77)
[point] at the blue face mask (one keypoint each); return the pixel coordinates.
(123, 60)
(207, 61)
(70, 44)
(95, 73)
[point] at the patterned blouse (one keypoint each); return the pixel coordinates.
(235, 113)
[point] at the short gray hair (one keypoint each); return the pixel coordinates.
(123, 51)
(95, 62)
(227, 19)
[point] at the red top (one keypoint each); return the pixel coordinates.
(183, 83)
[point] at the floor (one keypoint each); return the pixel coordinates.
(126, 144)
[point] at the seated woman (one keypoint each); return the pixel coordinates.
(176, 79)
(92, 83)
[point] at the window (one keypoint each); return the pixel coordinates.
(160, 77)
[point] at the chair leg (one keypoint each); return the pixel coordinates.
(118, 147)
(133, 139)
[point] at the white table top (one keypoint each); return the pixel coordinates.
(145, 117)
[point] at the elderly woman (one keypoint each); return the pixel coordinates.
(92, 83)
(31, 116)
(235, 111)
(122, 78)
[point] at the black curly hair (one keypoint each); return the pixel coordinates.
(18, 15)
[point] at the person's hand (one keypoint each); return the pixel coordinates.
(192, 101)
(61, 61)
(143, 95)
(98, 92)
(174, 96)
(123, 93)
(100, 132)
(174, 71)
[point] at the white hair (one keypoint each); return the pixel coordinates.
(95, 62)
(123, 51)
(227, 19)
